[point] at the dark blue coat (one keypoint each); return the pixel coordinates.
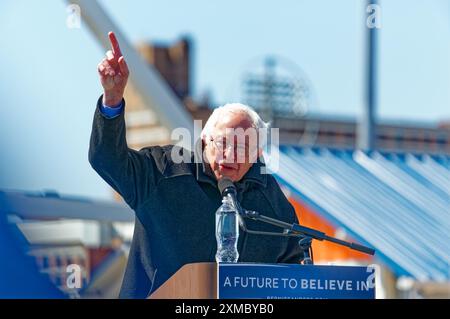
(175, 206)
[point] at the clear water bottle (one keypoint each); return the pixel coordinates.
(227, 232)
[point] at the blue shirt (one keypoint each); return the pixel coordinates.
(111, 112)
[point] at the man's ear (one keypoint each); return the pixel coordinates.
(203, 151)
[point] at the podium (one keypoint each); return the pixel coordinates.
(268, 281)
(192, 281)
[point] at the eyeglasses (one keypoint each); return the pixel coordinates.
(222, 145)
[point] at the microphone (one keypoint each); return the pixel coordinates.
(227, 188)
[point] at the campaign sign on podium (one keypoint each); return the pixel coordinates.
(291, 281)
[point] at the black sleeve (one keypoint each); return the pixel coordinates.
(129, 172)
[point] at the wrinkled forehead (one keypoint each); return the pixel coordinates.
(233, 123)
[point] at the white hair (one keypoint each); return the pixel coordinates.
(220, 111)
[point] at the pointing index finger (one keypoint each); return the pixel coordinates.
(114, 44)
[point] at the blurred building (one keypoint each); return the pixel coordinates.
(173, 62)
(339, 132)
(80, 245)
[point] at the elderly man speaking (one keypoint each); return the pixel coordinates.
(175, 201)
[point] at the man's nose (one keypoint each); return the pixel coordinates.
(229, 155)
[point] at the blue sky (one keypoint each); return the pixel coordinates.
(49, 84)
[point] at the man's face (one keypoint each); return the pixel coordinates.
(232, 149)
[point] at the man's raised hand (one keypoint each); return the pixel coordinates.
(113, 71)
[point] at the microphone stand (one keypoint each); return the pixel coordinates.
(305, 234)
